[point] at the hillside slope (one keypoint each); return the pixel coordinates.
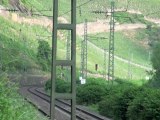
(35, 27)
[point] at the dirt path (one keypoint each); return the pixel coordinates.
(93, 27)
(103, 26)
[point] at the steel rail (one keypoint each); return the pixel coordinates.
(48, 100)
(77, 108)
(41, 94)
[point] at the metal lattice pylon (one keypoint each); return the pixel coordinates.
(84, 53)
(56, 63)
(68, 49)
(111, 45)
(105, 65)
(68, 56)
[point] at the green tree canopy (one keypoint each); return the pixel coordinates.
(156, 57)
(44, 54)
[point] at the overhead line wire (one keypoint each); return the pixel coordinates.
(77, 7)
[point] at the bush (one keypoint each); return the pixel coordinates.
(145, 106)
(44, 55)
(131, 103)
(122, 102)
(61, 86)
(106, 106)
(92, 92)
(115, 104)
(48, 85)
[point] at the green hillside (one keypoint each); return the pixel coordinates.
(19, 49)
(25, 48)
(127, 47)
(85, 7)
(131, 45)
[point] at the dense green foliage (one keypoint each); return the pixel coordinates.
(131, 103)
(62, 86)
(156, 58)
(145, 106)
(91, 92)
(44, 55)
(153, 35)
(12, 105)
(121, 100)
(113, 104)
(125, 17)
(155, 82)
(5, 2)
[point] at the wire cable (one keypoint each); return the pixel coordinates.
(77, 7)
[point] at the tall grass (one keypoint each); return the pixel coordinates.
(12, 105)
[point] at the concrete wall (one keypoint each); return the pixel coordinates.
(29, 80)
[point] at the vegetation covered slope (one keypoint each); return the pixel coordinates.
(92, 56)
(22, 43)
(12, 105)
(86, 7)
(19, 45)
(130, 45)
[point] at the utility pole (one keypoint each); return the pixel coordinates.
(105, 65)
(84, 53)
(129, 66)
(111, 37)
(149, 56)
(25, 67)
(111, 45)
(105, 54)
(80, 11)
(1, 53)
(22, 40)
(68, 48)
(68, 56)
(56, 63)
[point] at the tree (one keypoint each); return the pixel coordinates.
(44, 54)
(156, 62)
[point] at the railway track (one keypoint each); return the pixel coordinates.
(65, 106)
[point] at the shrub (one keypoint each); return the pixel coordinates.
(92, 92)
(44, 55)
(145, 106)
(156, 65)
(122, 102)
(61, 86)
(106, 106)
(115, 103)
(48, 85)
